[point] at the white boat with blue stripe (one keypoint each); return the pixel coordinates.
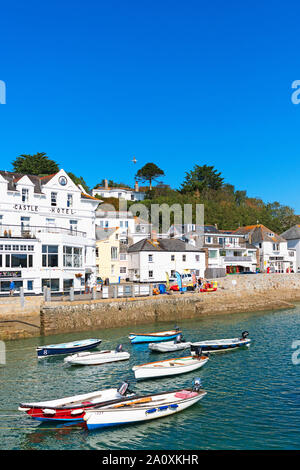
(222, 345)
(67, 348)
(143, 408)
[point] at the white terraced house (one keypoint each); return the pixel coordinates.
(150, 260)
(274, 254)
(47, 233)
(227, 251)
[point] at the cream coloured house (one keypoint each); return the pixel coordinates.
(108, 254)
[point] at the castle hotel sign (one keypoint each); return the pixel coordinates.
(33, 208)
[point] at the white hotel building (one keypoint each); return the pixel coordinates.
(47, 233)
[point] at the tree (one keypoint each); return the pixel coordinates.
(149, 173)
(79, 180)
(201, 178)
(38, 164)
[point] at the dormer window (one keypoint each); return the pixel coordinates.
(25, 194)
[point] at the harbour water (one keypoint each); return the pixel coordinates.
(253, 399)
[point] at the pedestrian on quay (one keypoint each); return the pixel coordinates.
(12, 288)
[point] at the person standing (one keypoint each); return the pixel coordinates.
(12, 288)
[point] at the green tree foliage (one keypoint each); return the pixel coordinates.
(79, 180)
(149, 173)
(39, 164)
(202, 178)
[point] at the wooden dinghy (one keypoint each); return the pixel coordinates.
(179, 365)
(170, 346)
(67, 348)
(144, 408)
(153, 337)
(97, 358)
(73, 408)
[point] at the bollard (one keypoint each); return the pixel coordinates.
(94, 293)
(48, 295)
(45, 293)
(22, 300)
(72, 294)
(115, 295)
(132, 291)
(150, 289)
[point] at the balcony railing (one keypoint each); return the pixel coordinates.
(230, 259)
(27, 232)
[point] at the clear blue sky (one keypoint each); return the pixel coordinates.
(179, 83)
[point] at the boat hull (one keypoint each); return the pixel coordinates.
(221, 346)
(46, 351)
(168, 347)
(153, 337)
(102, 357)
(153, 371)
(62, 410)
(107, 417)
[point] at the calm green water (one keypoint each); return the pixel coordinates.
(253, 399)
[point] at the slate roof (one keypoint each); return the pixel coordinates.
(163, 244)
(292, 233)
(259, 233)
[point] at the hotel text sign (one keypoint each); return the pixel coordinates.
(53, 210)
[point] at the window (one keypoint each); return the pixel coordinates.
(276, 247)
(72, 257)
(18, 260)
(208, 239)
(52, 283)
(73, 226)
(150, 274)
(197, 257)
(172, 257)
(29, 285)
(97, 252)
(291, 253)
(25, 224)
(122, 270)
(50, 256)
(114, 252)
(221, 241)
(68, 283)
(25, 194)
(150, 258)
(70, 200)
(123, 256)
(212, 253)
(183, 257)
(53, 199)
(121, 223)
(126, 223)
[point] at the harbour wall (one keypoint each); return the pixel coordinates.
(241, 293)
(236, 293)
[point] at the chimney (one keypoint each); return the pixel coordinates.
(136, 187)
(105, 184)
(154, 236)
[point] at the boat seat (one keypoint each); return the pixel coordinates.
(185, 394)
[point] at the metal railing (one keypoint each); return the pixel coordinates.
(27, 232)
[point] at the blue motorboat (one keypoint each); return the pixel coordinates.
(67, 348)
(154, 337)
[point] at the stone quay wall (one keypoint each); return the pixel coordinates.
(236, 293)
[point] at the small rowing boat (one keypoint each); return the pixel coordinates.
(144, 408)
(67, 348)
(97, 358)
(170, 346)
(73, 408)
(180, 365)
(221, 345)
(153, 337)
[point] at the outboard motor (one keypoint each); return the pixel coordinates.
(178, 339)
(196, 350)
(123, 389)
(245, 334)
(119, 348)
(176, 328)
(197, 386)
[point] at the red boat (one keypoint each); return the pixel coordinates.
(72, 408)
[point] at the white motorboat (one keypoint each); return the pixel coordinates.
(222, 345)
(97, 358)
(168, 346)
(143, 408)
(179, 365)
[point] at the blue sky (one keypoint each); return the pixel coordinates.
(179, 83)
